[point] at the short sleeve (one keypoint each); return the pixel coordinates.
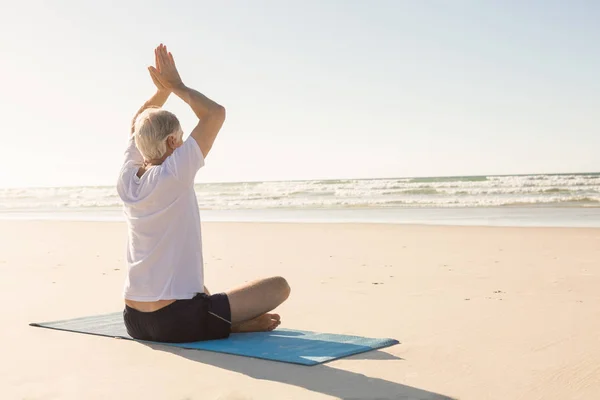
(185, 161)
(132, 154)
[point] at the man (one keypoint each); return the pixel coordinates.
(165, 296)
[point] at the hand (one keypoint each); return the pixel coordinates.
(159, 86)
(165, 72)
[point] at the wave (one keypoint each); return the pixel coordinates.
(581, 190)
(565, 202)
(301, 193)
(331, 181)
(555, 190)
(450, 179)
(286, 202)
(423, 191)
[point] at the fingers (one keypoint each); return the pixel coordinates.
(156, 59)
(163, 58)
(164, 55)
(154, 74)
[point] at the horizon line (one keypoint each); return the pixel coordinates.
(322, 180)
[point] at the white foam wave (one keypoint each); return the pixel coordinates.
(567, 190)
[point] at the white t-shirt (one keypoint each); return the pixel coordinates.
(164, 244)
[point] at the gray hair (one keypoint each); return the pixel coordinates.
(152, 128)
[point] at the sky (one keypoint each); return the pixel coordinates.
(313, 89)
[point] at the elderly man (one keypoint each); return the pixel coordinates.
(165, 296)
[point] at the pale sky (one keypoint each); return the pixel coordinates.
(313, 89)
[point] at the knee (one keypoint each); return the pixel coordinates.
(283, 287)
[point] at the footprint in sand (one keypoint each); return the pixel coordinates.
(496, 298)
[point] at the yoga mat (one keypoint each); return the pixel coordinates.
(285, 345)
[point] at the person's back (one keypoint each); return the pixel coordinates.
(161, 210)
(165, 295)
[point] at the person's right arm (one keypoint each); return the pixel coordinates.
(210, 114)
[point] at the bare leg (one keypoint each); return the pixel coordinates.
(251, 302)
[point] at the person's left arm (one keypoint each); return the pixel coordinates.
(157, 100)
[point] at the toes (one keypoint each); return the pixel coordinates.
(275, 317)
(274, 325)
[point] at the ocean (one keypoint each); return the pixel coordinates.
(519, 200)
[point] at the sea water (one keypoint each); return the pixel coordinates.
(518, 200)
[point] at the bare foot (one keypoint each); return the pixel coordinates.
(264, 323)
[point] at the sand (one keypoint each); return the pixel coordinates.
(481, 313)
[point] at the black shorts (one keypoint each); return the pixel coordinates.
(200, 318)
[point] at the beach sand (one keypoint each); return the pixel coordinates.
(481, 313)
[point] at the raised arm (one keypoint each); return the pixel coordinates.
(158, 99)
(210, 114)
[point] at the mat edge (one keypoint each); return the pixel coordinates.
(388, 343)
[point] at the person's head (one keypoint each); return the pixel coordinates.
(157, 134)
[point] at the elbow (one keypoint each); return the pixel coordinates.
(218, 112)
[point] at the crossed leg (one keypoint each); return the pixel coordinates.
(250, 304)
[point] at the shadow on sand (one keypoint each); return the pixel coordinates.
(319, 378)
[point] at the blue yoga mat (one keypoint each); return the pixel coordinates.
(285, 345)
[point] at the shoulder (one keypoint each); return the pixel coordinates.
(185, 161)
(190, 147)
